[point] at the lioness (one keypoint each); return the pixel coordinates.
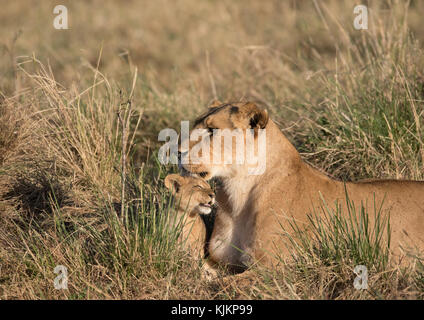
(253, 208)
(194, 197)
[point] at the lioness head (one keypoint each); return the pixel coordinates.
(192, 194)
(225, 141)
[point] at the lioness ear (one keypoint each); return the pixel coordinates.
(259, 119)
(173, 182)
(215, 103)
(252, 116)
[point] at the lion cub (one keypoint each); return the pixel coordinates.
(194, 197)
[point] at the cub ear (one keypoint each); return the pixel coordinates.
(252, 115)
(173, 182)
(215, 103)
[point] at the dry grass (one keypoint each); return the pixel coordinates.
(80, 110)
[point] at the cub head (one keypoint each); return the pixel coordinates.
(192, 194)
(226, 141)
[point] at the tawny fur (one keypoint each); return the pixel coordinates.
(193, 197)
(252, 208)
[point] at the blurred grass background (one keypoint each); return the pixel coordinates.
(350, 100)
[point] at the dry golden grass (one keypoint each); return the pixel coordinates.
(80, 110)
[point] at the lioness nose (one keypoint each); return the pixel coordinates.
(181, 154)
(183, 147)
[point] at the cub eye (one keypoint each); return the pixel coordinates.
(210, 130)
(197, 187)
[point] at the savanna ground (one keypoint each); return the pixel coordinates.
(80, 112)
